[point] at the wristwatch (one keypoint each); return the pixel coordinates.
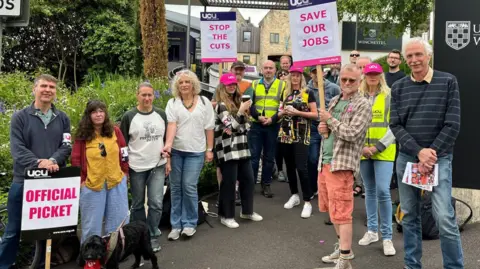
(53, 160)
(211, 150)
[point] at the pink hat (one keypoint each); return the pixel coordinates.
(372, 68)
(228, 79)
(296, 69)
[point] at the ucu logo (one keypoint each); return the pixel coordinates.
(37, 173)
(209, 16)
(299, 2)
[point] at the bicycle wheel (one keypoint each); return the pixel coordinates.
(37, 257)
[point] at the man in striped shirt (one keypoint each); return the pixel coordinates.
(425, 119)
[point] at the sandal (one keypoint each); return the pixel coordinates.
(357, 191)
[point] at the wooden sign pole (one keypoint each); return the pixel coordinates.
(321, 92)
(48, 254)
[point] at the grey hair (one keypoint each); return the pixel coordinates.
(350, 68)
(286, 57)
(365, 57)
(193, 80)
(418, 40)
(144, 85)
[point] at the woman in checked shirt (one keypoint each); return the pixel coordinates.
(231, 146)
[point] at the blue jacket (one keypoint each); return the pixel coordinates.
(331, 90)
(31, 140)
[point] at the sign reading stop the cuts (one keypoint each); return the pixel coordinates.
(314, 28)
(219, 36)
(50, 203)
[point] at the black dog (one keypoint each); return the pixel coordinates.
(137, 242)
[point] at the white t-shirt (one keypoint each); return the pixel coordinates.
(191, 126)
(144, 134)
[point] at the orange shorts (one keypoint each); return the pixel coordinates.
(335, 194)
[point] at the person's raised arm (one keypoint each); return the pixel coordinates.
(357, 127)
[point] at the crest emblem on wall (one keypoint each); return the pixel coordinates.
(457, 35)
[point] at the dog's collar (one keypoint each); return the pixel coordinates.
(112, 244)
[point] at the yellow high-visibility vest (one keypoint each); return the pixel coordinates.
(379, 127)
(267, 102)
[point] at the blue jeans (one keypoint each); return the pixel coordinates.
(376, 180)
(11, 237)
(97, 206)
(313, 155)
(186, 168)
(261, 137)
(443, 214)
(153, 180)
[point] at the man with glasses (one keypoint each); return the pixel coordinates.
(354, 56)
(394, 59)
(346, 123)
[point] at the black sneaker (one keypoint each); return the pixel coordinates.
(266, 191)
(80, 261)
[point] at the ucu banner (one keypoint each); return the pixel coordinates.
(294, 4)
(217, 16)
(37, 173)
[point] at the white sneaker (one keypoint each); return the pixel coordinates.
(189, 232)
(307, 210)
(230, 223)
(293, 201)
(174, 234)
(368, 238)
(388, 248)
(254, 217)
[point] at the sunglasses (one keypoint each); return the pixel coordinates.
(282, 74)
(351, 80)
(354, 55)
(103, 152)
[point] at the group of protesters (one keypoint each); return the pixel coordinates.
(372, 120)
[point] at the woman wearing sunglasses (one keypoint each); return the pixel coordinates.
(100, 151)
(297, 110)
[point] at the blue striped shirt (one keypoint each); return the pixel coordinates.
(426, 115)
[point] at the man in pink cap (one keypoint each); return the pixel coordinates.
(378, 154)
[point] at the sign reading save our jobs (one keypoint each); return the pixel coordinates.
(219, 36)
(315, 26)
(50, 203)
(10, 7)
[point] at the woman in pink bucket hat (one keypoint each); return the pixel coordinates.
(232, 152)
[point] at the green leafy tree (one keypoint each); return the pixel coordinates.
(396, 15)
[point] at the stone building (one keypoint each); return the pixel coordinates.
(274, 36)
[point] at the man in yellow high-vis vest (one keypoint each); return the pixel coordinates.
(267, 92)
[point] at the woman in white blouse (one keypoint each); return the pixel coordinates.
(189, 144)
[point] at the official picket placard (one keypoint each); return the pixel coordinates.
(219, 36)
(314, 30)
(50, 203)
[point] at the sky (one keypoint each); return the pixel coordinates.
(255, 14)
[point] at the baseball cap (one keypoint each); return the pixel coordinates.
(228, 79)
(296, 69)
(238, 64)
(372, 68)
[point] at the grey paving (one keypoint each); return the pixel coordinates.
(286, 241)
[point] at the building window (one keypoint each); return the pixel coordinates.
(246, 59)
(274, 38)
(247, 36)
